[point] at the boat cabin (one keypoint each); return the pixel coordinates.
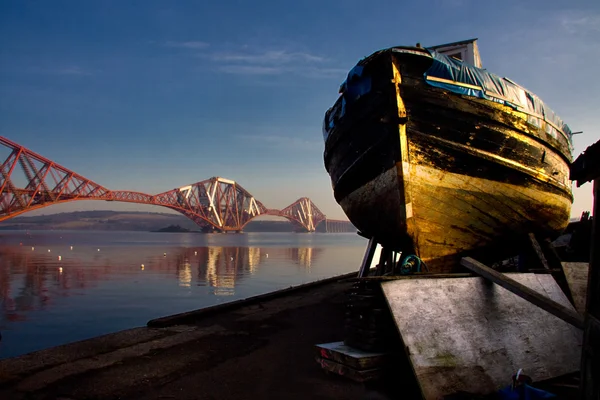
(465, 50)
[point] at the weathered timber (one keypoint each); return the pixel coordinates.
(577, 277)
(538, 251)
(591, 346)
(468, 335)
(555, 264)
(351, 357)
(349, 372)
(554, 308)
(545, 255)
(584, 169)
(445, 175)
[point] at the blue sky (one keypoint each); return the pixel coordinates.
(152, 95)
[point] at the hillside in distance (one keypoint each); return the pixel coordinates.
(126, 221)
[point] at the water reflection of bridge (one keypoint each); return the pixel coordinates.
(33, 280)
(221, 267)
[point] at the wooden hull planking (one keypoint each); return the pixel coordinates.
(463, 175)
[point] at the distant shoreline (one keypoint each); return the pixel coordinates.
(129, 221)
(174, 229)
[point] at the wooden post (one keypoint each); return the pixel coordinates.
(524, 292)
(584, 169)
(590, 357)
(550, 261)
(538, 251)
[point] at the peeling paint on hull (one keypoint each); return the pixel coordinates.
(457, 175)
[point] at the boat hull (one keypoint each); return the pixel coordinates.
(450, 176)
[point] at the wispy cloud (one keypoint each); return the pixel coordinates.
(581, 24)
(75, 71)
(307, 72)
(267, 57)
(250, 70)
(253, 60)
(195, 45)
(274, 62)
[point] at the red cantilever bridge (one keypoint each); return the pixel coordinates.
(214, 204)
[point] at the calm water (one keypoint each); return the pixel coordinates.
(109, 281)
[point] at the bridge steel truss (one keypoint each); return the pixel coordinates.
(215, 204)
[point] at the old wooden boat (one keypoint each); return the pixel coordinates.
(433, 156)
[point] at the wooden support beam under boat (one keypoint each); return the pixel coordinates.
(524, 292)
(551, 262)
(538, 251)
(366, 263)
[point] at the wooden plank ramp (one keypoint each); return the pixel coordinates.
(471, 335)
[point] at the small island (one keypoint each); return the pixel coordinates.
(173, 228)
